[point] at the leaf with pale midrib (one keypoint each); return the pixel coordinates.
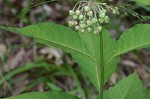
(57, 35)
(133, 38)
(128, 88)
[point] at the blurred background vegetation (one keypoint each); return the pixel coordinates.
(27, 66)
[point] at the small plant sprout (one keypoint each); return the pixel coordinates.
(90, 15)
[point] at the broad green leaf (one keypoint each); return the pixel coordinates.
(134, 38)
(88, 66)
(145, 2)
(53, 35)
(82, 47)
(128, 88)
(44, 95)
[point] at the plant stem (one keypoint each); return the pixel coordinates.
(101, 66)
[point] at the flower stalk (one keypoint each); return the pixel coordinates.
(101, 66)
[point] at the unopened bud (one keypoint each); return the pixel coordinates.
(77, 28)
(101, 20)
(88, 22)
(102, 15)
(75, 22)
(75, 17)
(90, 13)
(87, 8)
(99, 28)
(82, 26)
(82, 30)
(81, 17)
(106, 19)
(94, 20)
(89, 29)
(77, 12)
(71, 23)
(71, 12)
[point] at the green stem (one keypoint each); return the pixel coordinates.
(101, 66)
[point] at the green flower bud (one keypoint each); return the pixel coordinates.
(82, 30)
(75, 17)
(89, 29)
(81, 17)
(77, 12)
(102, 15)
(82, 26)
(90, 13)
(77, 28)
(87, 8)
(101, 20)
(106, 19)
(88, 22)
(71, 12)
(104, 11)
(94, 20)
(99, 28)
(71, 23)
(75, 22)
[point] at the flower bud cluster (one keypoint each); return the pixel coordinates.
(89, 16)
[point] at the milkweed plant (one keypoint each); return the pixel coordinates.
(93, 48)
